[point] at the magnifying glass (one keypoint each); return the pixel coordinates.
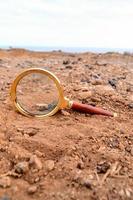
(38, 93)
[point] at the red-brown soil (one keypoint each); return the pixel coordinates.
(71, 155)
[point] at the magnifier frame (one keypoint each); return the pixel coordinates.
(62, 103)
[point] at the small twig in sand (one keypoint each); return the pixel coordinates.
(10, 173)
(97, 177)
(105, 177)
(111, 172)
(3, 175)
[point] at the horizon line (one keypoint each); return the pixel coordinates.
(67, 48)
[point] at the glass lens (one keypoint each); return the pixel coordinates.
(37, 94)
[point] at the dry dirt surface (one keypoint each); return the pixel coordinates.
(70, 156)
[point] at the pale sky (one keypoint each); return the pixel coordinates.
(70, 23)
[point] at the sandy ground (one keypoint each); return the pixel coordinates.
(70, 156)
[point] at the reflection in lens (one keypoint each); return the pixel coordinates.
(37, 94)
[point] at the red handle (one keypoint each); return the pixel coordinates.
(91, 109)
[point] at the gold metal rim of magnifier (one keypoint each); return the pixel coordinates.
(62, 103)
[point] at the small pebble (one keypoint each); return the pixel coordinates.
(112, 82)
(41, 107)
(39, 154)
(101, 63)
(37, 179)
(32, 189)
(85, 95)
(69, 67)
(103, 167)
(87, 183)
(130, 105)
(49, 165)
(5, 182)
(31, 131)
(80, 165)
(35, 162)
(122, 131)
(113, 142)
(97, 82)
(66, 62)
(85, 89)
(80, 59)
(129, 89)
(128, 148)
(65, 113)
(22, 168)
(95, 99)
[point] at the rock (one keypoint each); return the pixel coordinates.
(77, 176)
(76, 88)
(129, 89)
(130, 105)
(122, 131)
(66, 62)
(96, 76)
(80, 59)
(5, 182)
(97, 82)
(92, 103)
(85, 89)
(83, 180)
(112, 82)
(37, 179)
(31, 131)
(69, 67)
(85, 95)
(41, 107)
(80, 165)
(39, 154)
(95, 99)
(22, 168)
(86, 183)
(113, 142)
(34, 170)
(128, 148)
(103, 167)
(35, 162)
(49, 165)
(101, 63)
(32, 189)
